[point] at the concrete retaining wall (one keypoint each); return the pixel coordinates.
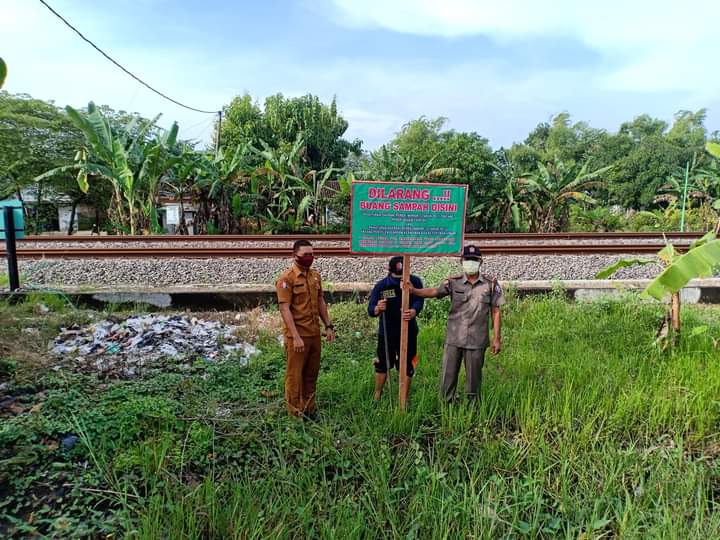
(225, 297)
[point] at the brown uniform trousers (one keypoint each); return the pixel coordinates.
(301, 373)
(300, 289)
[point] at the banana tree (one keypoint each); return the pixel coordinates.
(183, 177)
(713, 149)
(388, 164)
(713, 170)
(108, 155)
(3, 72)
(702, 188)
(701, 260)
(551, 188)
(156, 159)
(222, 189)
(312, 184)
(277, 184)
(502, 210)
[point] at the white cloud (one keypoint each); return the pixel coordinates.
(47, 60)
(658, 44)
(378, 96)
(366, 125)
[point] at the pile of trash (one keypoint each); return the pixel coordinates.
(148, 343)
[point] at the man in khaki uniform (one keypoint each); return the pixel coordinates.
(302, 305)
(474, 297)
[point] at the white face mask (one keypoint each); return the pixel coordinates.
(471, 267)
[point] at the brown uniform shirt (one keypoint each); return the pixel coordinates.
(301, 289)
(468, 321)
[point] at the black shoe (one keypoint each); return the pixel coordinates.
(312, 416)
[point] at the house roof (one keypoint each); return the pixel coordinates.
(29, 195)
(330, 189)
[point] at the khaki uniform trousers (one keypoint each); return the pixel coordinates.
(301, 373)
(452, 357)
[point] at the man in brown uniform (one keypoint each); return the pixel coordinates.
(300, 296)
(474, 297)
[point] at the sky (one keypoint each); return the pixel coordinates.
(497, 68)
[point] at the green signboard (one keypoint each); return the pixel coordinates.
(18, 218)
(407, 218)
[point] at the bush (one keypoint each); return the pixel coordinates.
(698, 219)
(599, 219)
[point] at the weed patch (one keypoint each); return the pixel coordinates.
(584, 429)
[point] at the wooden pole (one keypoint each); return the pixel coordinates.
(404, 333)
(675, 313)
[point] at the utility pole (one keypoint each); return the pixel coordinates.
(684, 199)
(217, 134)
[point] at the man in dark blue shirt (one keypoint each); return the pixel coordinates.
(386, 302)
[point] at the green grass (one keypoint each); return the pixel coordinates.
(585, 430)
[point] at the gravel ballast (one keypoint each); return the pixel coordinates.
(163, 272)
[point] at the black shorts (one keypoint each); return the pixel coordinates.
(394, 350)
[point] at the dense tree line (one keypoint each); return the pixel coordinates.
(277, 161)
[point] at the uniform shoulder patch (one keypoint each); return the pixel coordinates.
(285, 280)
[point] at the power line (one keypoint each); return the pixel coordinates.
(198, 130)
(205, 123)
(138, 79)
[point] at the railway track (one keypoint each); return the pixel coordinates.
(332, 251)
(220, 246)
(287, 238)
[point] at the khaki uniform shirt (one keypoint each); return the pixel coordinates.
(468, 321)
(301, 289)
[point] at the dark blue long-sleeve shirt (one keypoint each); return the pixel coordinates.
(389, 288)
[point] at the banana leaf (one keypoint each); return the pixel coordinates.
(81, 121)
(155, 227)
(82, 180)
(708, 237)
(668, 254)
(712, 147)
(304, 204)
(237, 206)
(3, 72)
(696, 263)
(622, 263)
(515, 210)
(56, 170)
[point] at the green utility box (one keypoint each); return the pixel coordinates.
(18, 217)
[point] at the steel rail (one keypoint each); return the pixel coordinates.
(346, 238)
(331, 251)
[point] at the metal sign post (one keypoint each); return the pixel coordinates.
(11, 248)
(12, 227)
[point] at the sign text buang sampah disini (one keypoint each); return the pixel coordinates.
(407, 218)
